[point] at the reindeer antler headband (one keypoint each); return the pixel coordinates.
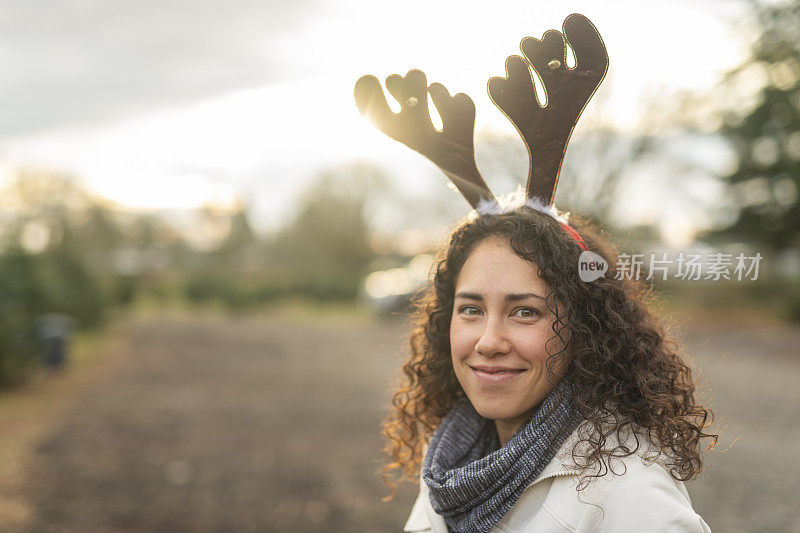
(545, 129)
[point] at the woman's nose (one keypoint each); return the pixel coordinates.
(493, 341)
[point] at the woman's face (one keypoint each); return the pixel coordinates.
(498, 333)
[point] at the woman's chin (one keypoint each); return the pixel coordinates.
(496, 409)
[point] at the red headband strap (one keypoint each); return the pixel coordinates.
(574, 234)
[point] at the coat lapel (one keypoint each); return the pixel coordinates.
(424, 518)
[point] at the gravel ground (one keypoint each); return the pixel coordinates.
(752, 479)
(271, 424)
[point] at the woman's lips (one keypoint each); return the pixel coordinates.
(495, 376)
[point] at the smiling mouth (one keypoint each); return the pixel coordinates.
(494, 376)
(495, 370)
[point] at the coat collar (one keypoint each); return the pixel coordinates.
(423, 516)
(562, 464)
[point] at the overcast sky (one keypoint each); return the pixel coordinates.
(78, 62)
(171, 104)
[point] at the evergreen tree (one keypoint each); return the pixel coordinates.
(766, 137)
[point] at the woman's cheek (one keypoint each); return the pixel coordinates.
(459, 341)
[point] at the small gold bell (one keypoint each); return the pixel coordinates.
(412, 102)
(554, 64)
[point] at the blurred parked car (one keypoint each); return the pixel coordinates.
(390, 291)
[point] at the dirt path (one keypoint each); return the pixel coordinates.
(271, 424)
(752, 373)
(219, 425)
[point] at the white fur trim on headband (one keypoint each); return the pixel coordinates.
(517, 199)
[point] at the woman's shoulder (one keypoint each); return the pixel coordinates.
(621, 446)
(639, 496)
(635, 492)
(630, 464)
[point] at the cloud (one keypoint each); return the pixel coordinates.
(79, 62)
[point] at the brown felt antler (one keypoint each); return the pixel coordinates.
(452, 149)
(546, 129)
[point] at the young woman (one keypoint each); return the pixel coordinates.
(534, 401)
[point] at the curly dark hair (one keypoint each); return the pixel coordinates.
(624, 369)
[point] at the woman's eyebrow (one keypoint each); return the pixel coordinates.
(522, 296)
(508, 297)
(469, 296)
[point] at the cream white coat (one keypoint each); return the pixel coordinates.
(642, 498)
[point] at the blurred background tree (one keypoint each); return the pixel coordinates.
(22, 299)
(324, 251)
(766, 135)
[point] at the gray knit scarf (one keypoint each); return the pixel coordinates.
(473, 481)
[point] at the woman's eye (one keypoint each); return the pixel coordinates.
(526, 312)
(470, 310)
